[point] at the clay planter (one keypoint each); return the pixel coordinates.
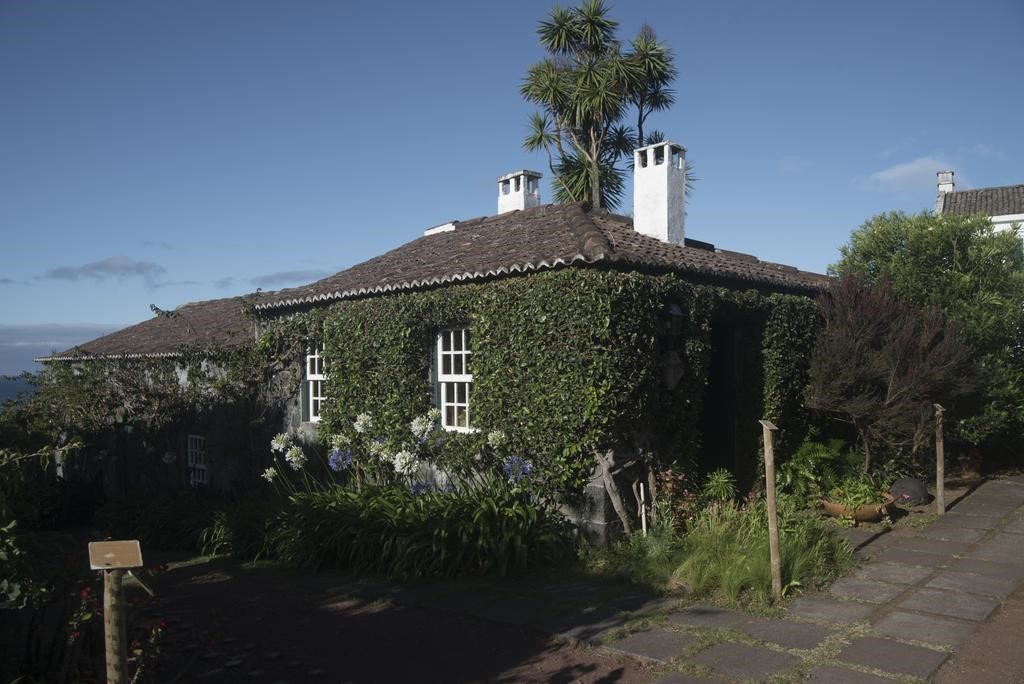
(861, 514)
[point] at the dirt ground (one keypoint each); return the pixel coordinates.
(228, 623)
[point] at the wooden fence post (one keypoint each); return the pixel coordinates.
(940, 463)
(768, 428)
(114, 558)
(114, 626)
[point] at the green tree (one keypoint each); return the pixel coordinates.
(585, 87)
(972, 273)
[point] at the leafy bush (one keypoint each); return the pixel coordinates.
(720, 487)
(168, 521)
(812, 470)
(241, 530)
(484, 527)
(725, 552)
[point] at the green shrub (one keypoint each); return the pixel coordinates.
(391, 531)
(241, 530)
(812, 470)
(166, 521)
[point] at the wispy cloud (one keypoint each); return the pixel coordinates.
(117, 266)
(7, 281)
(983, 151)
(913, 176)
(19, 344)
(288, 278)
(224, 282)
(793, 163)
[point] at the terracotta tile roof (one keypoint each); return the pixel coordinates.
(219, 323)
(535, 239)
(515, 242)
(1002, 201)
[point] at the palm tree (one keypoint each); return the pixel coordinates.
(585, 88)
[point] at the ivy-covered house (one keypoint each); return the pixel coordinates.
(596, 343)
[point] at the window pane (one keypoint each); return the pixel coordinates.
(457, 361)
(446, 341)
(467, 371)
(466, 334)
(463, 417)
(449, 415)
(446, 364)
(460, 393)
(457, 339)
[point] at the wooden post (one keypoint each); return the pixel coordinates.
(940, 463)
(773, 524)
(114, 558)
(114, 627)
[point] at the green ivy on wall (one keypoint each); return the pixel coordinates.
(564, 362)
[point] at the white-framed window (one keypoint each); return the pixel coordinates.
(198, 468)
(455, 378)
(315, 382)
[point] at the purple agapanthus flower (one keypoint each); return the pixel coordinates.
(420, 487)
(516, 468)
(339, 460)
(439, 440)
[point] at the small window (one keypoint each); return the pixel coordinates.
(198, 468)
(454, 378)
(315, 382)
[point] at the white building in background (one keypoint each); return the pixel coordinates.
(1003, 205)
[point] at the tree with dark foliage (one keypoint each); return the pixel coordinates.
(880, 364)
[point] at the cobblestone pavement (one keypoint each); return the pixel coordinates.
(916, 597)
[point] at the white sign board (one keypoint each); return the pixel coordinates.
(110, 555)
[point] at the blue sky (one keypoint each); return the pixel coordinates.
(160, 153)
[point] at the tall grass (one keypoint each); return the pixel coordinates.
(725, 552)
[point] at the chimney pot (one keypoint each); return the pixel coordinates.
(945, 186)
(659, 189)
(518, 190)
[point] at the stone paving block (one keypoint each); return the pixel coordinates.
(929, 629)
(708, 617)
(866, 590)
(788, 633)
(977, 522)
(829, 610)
(1000, 553)
(973, 584)
(951, 603)
(840, 675)
(1016, 526)
(939, 547)
(893, 573)
(928, 560)
(680, 678)
(1003, 538)
(892, 656)
(746, 662)
(659, 645)
(1011, 571)
(938, 530)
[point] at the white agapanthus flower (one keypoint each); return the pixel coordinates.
(363, 423)
(379, 448)
(269, 474)
(496, 439)
(295, 457)
(339, 441)
(405, 463)
(434, 415)
(421, 426)
(280, 443)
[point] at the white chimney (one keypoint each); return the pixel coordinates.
(518, 190)
(659, 185)
(946, 185)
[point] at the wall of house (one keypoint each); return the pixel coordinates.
(565, 363)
